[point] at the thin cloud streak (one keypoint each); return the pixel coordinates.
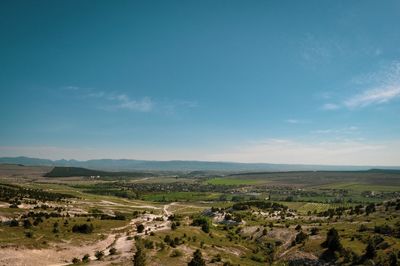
(111, 101)
(374, 96)
(124, 102)
(330, 106)
(382, 87)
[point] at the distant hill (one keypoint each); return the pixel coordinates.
(79, 171)
(142, 165)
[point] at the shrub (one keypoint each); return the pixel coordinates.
(300, 237)
(119, 216)
(29, 234)
(140, 228)
(113, 251)
(27, 223)
(82, 228)
(197, 259)
(332, 241)
(139, 259)
(14, 223)
(176, 253)
(99, 254)
(86, 258)
(314, 231)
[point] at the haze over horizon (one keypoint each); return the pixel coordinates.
(265, 82)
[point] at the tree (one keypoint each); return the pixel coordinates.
(27, 223)
(99, 255)
(332, 241)
(140, 228)
(370, 208)
(82, 228)
(269, 250)
(139, 259)
(392, 259)
(206, 228)
(314, 231)
(300, 237)
(86, 258)
(197, 259)
(370, 251)
(14, 223)
(173, 226)
(113, 251)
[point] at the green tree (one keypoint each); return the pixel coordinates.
(392, 259)
(332, 241)
(140, 228)
(86, 258)
(27, 223)
(99, 255)
(139, 259)
(206, 228)
(197, 259)
(370, 251)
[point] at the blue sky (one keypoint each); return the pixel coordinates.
(249, 81)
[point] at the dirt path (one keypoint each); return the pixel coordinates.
(62, 254)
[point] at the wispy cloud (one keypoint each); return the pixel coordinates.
(122, 101)
(330, 106)
(296, 121)
(112, 101)
(317, 51)
(373, 96)
(344, 130)
(292, 121)
(375, 88)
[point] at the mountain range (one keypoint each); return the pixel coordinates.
(145, 165)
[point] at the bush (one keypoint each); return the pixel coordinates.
(314, 231)
(173, 226)
(205, 228)
(148, 244)
(14, 223)
(139, 259)
(300, 237)
(119, 216)
(29, 234)
(75, 261)
(86, 258)
(176, 253)
(99, 255)
(27, 223)
(257, 258)
(113, 251)
(203, 222)
(332, 241)
(140, 228)
(82, 228)
(197, 259)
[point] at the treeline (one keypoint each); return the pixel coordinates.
(78, 171)
(178, 187)
(11, 194)
(264, 205)
(136, 190)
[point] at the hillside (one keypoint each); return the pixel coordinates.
(78, 171)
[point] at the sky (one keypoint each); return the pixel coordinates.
(305, 82)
